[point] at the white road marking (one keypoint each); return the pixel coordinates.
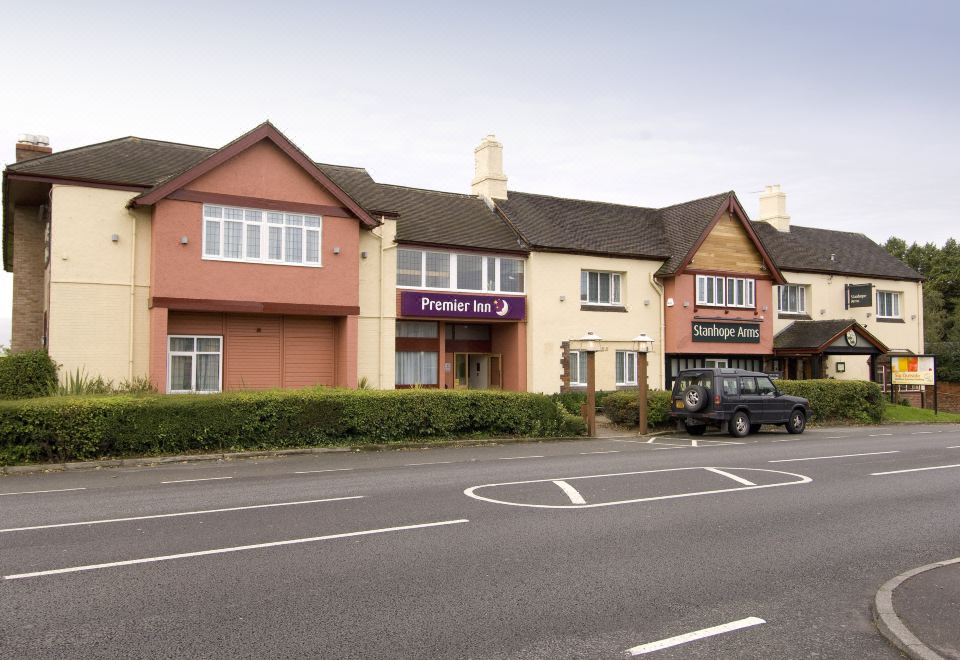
(739, 480)
(670, 447)
(517, 458)
(608, 451)
(693, 443)
(571, 492)
(921, 432)
(318, 471)
(434, 463)
(187, 481)
(820, 458)
(33, 492)
(695, 635)
(954, 447)
(837, 437)
(239, 548)
(935, 467)
(877, 435)
(174, 515)
(471, 492)
(648, 441)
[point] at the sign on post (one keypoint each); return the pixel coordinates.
(913, 370)
(858, 295)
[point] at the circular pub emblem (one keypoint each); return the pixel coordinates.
(851, 337)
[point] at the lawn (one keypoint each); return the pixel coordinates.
(908, 414)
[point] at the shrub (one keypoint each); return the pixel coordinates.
(78, 428)
(571, 401)
(78, 383)
(856, 401)
(27, 374)
(623, 407)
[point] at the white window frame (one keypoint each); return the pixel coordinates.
(895, 299)
(712, 293)
(433, 374)
(615, 288)
(717, 287)
(193, 363)
(580, 369)
(289, 221)
(485, 263)
(801, 298)
(629, 360)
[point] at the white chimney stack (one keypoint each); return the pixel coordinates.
(489, 181)
(773, 208)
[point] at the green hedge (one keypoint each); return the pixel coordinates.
(571, 401)
(844, 401)
(623, 407)
(27, 374)
(78, 428)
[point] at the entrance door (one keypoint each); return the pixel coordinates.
(477, 371)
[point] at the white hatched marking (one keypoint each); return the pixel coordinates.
(729, 475)
(571, 492)
(695, 635)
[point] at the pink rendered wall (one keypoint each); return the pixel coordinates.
(678, 319)
(510, 341)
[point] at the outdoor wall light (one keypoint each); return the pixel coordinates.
(336, 250)
(686, 303)
(115, 238)
(646, 303)
(184, 240)
(562, 298)
(669, 302)
(363, 255)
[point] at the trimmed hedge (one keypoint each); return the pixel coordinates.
(82, 428)
(845, 401)
(571, 401)
(623, 407)
(27, 374)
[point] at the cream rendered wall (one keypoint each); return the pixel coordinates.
(378, 306)
(826, 293)
(551, 322)
(97, 322)
(855, 367)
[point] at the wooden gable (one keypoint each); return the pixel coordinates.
(728, 248)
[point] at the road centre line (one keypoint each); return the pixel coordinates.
(608, 451)
(954, 447)
(434, 463)
(34, 492)
(571, 492)
(695, 635)
(318, 471)
(877, 435)
(516, 458)
(187, 481)
(836, 437)
(239, 548)
(935, 467)
(921, 432)
(820, 458)
(174, 515)
(722, 473)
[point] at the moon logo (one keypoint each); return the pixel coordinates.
(501, 308)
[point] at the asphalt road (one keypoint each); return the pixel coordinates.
(583, 549)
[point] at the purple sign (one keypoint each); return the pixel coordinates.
(462, 306)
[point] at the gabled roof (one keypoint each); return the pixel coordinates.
(813, 250)
(816, 336)
(264, 132)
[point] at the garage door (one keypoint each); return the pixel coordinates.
(308, 351)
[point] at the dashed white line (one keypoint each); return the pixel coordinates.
(34, 492)
(837, 437)
(174, 515)
(820, 458)
(877, 435)
(571, 492)
(923, 469)
(608, 451)
(434, 463)
(954, 447)
(186, 481)
(695, 635)
(319, 471)
(921, 432)
(516, 458)
(729, 475)
(239, 548)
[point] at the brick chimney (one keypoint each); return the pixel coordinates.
(32, 146)
(489, 181)
(773, 208)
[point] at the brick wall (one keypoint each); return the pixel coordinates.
(948, 395)
(28, 283)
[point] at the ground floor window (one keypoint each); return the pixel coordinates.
(195, 363)
(626, 367)
(416, 367)
(578, 368)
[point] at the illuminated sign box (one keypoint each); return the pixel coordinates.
(462, 306)
(913, 370)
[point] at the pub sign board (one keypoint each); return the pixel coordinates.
(726, 333)
(462, 306)
(859, 295)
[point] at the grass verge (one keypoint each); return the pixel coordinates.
(909, 414)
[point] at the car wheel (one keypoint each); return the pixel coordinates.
(697, 429)
(695, 398)
(797, 422)
(755, 428)
(739, 425)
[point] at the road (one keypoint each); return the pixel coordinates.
(775, 551)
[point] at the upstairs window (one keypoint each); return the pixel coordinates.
(599, 288)
(710, 290)
(258, 236)
(449, 271)
(888, 305)
(719, 291)
(792, 299)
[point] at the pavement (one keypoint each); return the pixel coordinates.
(675, 547)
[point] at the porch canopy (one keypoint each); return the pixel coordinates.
(803, 346)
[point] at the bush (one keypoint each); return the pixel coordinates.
(80, 428)
(623, 407)
(857, 401)
(27, 374)
(571, 401)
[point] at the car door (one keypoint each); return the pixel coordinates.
(774, 407)
(750, 397)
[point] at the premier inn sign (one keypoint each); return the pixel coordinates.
(726, 333)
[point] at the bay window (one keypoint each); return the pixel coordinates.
(194, 363)
(450, 271)
(257, 236)
(599, 288)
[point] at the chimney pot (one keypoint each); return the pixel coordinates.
(32, 146)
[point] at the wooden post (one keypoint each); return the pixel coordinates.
(591, 394)
(642, 387)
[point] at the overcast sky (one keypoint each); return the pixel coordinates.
(851, 106)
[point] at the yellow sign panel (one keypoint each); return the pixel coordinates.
(912, 370)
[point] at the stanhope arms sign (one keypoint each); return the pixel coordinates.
(726, 333)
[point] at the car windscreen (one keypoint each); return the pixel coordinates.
(704, 379)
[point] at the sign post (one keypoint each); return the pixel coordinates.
(858, 295)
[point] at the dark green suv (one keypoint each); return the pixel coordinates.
(739, 400)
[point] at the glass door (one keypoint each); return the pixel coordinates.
(460, 372)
